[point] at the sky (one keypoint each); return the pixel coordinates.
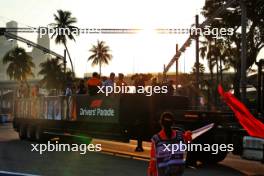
(146, 51)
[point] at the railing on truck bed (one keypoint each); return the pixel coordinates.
(130, 114)
(52, 108)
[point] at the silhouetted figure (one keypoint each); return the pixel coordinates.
(121, 81)
(170, 88)
(81, 88)
(110, 81)
(103, 79)
(139, 82)
(154, 82)
(68, 94)
(35, 91)
(92, 84)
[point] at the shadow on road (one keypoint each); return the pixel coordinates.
(16, 156)
(213, 170)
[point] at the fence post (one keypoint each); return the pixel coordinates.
(262, 161)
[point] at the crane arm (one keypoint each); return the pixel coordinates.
(4, 32)
(202, 25)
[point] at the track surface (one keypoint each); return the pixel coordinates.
(16, 156)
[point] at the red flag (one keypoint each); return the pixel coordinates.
(253, 126)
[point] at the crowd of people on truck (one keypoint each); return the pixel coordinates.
(25, 91)
(90, 85)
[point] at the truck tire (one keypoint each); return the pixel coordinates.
(39, 135)
(30, 132)
(209, 158)
(22, 132)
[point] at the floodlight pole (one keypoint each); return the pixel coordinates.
(197, 60)
(164, 74)
(260, 91)
(177, 67)
(243, 50)
(64, 61)
(64, 65)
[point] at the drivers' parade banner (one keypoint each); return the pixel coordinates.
(253, 126)
(98, 109)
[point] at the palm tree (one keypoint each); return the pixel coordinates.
(52, 71)
(207, 51)
(221, 55)
(100, 54)
(20, 64)
(201, 68)
(65, 29)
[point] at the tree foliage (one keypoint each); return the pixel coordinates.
(65, 29)
(53, 74)
(100, 54)
(231, 44)
(20, 64)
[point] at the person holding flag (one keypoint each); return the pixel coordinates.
(164, 162)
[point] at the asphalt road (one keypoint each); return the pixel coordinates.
(16, 156)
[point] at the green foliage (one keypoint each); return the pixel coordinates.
(53, 74)
(201, 68)
(64, 20)
(19, 64)
(230, 45)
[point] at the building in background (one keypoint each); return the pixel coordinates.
(5, 46)
(37, 55)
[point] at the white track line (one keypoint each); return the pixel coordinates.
(16, 173)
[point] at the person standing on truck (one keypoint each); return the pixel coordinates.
(139, 82)
(164, 162)
(103, 79)
(68, 95)
(81, 88)
(35, 91)
(170, 88)
(110, 82)
(68, 91)
(92, 84)
(121, 81)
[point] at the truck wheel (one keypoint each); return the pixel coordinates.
(30, 133)
(22, 132)
(39, 135)
(209, 158)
